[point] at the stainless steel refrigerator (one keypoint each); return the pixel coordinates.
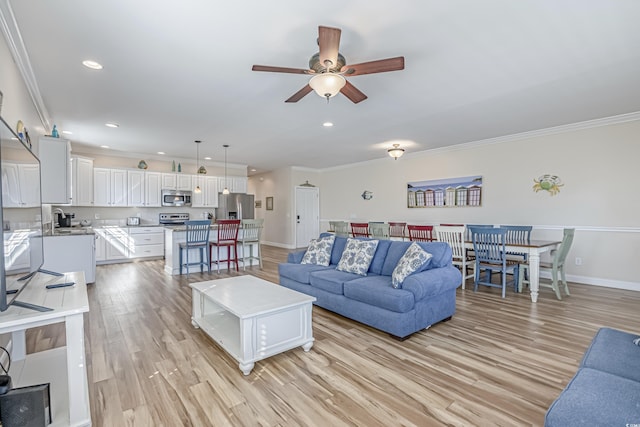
(235, 206)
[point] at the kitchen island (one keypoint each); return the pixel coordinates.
(174, 235)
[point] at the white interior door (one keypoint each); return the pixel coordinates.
(307, 215)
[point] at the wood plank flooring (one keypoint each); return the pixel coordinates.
(497, 362)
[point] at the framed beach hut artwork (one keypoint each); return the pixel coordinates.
(448, 192)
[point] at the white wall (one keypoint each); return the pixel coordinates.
(598, 166)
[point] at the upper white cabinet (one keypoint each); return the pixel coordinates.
(208, 196)
(55, 159)
(143, 188)
(16, 190)
(82, 181)
(169, 181)
(110, 187)
(184, 182)
(236, 184)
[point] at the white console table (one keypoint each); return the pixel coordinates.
(63, 368)
(252, 319)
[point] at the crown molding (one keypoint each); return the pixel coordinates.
(18, 50)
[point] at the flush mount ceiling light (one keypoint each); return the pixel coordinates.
(226, 188)
(396, 152)
(327, 85)
(92, 64)
(112, 125)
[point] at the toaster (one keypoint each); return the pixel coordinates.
(133, 220)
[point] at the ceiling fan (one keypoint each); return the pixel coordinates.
(329, 68)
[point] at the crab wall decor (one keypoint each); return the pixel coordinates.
(367, 195)
(548, 182)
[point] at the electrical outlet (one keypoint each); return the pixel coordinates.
(96, 216)
(578, 260)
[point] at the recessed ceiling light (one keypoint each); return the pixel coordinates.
(207, 158)
(92, 64)
(104, 146)
(253, 170)
(67, 132)
(327, 124)
(161, 152)
(112, 125)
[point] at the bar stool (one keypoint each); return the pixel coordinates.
(227, 237)
(251, 230)
(197, 238)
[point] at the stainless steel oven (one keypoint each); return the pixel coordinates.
(176, 198)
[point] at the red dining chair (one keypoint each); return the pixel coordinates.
(420, 233)
(227, 237)
(360, 229)
(397, 230)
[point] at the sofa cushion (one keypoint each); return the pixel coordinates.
(414, 259)
(377, 291)
(357, 256)
(441, 255)
(614, 351)
(331, 280)
(319, 251)
(299, 272)
(596, 398)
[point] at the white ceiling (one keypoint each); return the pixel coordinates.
(474, 70)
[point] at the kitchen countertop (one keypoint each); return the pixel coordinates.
(69, 231)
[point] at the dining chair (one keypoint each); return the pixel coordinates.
(341, 228)
(251, 231)
(379, 230)
(397, 230)
(197, 237)
(469, 237)
(360, 229)
(556, 266)
(455, 236)
(420, 233)
(518, 234)
(489, 248)
(227, 237)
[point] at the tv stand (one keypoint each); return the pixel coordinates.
(63, 367)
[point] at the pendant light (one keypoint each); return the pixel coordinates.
(197, 190)
(226, 188)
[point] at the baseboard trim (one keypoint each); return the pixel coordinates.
(278, 245)
(597, 281)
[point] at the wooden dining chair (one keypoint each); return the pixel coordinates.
(360, 229)
(420, 233)
(227, 237)
(341, 228)
(455, 236)
(489, 248)
(397, 230)
(379, 230)
(197, 238)
(556, 266)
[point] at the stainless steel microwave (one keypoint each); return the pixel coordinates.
(176, 198)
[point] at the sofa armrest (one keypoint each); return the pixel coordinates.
(296, 257)
(433, 282)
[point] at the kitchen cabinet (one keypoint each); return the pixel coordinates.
(16, 251)
(152, 189)
(55, 169)
(143, 188)
(169, 181)
(184, 182)
(81, 181)
(146, 242)
(110, 187)
(208, 197)
(17, 192)
(236, 184)
(117, 243)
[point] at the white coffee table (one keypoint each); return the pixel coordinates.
(252, 319)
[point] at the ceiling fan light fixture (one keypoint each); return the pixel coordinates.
(327, 85)
(396, 152)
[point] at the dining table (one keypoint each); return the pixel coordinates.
(532, 248)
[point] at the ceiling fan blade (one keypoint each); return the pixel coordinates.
(299, 94)
(329, 43)
(353, 93)
(281, 69)
(379, 66)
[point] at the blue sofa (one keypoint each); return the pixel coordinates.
(425, 297)
(606, 389)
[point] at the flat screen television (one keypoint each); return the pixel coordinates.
(20, 216)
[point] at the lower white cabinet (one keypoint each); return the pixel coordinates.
(71, 253)
(116, 244)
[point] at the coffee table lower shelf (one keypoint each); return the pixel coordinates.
(252, 319)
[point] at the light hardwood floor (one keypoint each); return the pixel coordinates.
(497, 362)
